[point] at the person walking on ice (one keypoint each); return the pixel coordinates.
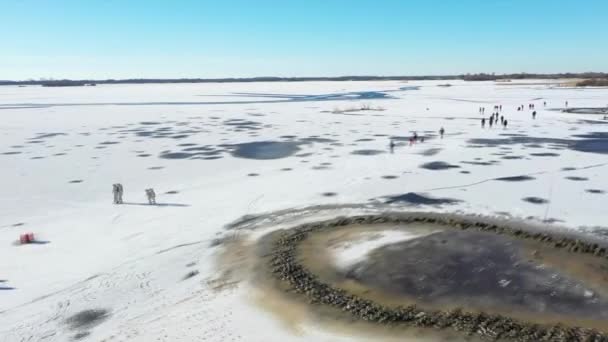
(441, 132)
(151, 196)
(117, 193)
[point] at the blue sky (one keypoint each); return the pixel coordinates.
(244, 38)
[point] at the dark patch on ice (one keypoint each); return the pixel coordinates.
(200, 148)
(288, 137)
(575, 178)
(81, 335)
(317, 140)
(149, 123)
(109, 143)
(515, 178)
(144, 155)
(367, 152)
(47, 135)
(390, 177)
(190, 274)
(209, 158)
(593, 122)
(75, 181)
(329, 194)
(569, 169)
(417, 199)
(545, 154)
(400, 138)
(438, 165)
(303, 155)
(156, 167)
(480, 271)
(591, 146)
(253, 174)
(586, 110)
(37, 158)
(11, 153)
(172, 192)
(465, 172)
(176, 155)
(595, 191)
(535, 200)
(513, 135)
(186, 144)
(59, 154)
(243, 125)
(512, 157)
(265, 150)
(430, 152)
(87, 318)
(481, 163)
(286, 169)
(596, 142)
(364, 139)
(18, 224)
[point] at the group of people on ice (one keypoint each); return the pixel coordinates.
(494, 118)
(117, 191)
(415, 138)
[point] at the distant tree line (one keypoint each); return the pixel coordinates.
(596, 82)
(467, 77)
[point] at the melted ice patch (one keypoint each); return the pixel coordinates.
(351, 252)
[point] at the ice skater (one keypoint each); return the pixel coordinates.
(483, 122)
(534, 115)
(392, 146)
(491, 121)
(505, 124)
(151, 196)
(441, 132)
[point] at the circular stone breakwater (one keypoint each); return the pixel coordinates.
(286, 265)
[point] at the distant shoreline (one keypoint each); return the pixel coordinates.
(467, 77)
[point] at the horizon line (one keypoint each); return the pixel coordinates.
(467, 76)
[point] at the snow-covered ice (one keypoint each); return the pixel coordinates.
(216, 152)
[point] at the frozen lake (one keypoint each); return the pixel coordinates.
(216, 152)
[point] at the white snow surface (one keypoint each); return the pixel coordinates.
(130, 259)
